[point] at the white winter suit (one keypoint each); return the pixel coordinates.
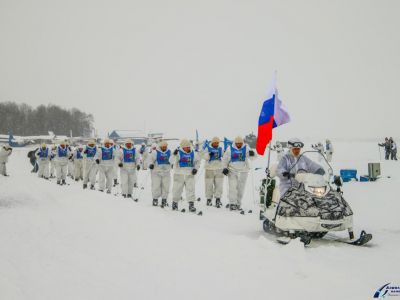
(89, 165)
(183, 164)
(61, 161)
(43, 161)
(161, 174)
(290, 163)
(130, 159)
(4, 154)
(106, 157)
(238, 163)
(214, 179)
(78, 164)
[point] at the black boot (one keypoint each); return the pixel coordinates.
(129, 196)
(232, 206)
(191, 207)
(209, 202)
(108, 191)
(155, 202)
(174, 205)
(59, 182)
(262, 217)
(218, 203)
(84, 186)
(92, 187)
(76, 179)
(164, 203)
(115, 182)
(63, 182)
(124, 195)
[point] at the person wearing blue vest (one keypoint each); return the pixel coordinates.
(105, 157)
(62, 156)
(90, 168)
(160, 168)
(214, 179)
(186, 162)
(78, 163)
(128, 160)
(236, 166)
(43, 160)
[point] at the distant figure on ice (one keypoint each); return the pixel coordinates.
(89, 165)
(160, 168)
(43, 156)
(320, 148)
(128, 161)
(32, 159)
(387, 146)
(236, 166)
(52, 162)
(62, 157)
(292, 162)
(78, 163)
(105, 159)
(393, 150)
(186, 162)
(5, 152)
(70, 169)
(115, 169)
(144, 153)
(328, 150)
(279, 150)
(214, 179)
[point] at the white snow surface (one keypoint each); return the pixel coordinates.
(69, 243)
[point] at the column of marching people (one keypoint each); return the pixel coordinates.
(101, 164)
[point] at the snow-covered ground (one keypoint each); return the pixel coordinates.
(68, 243)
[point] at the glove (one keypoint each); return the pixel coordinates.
(176, 151)
(151, 167)
(225, 171)
(288, 175)
(138, 167)
(85, 151)
(97, 161)
(194, 171)
(120, 165)
(70, 157)
(211, 154)
(251, 153)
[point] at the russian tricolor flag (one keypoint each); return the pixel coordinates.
(273, 114)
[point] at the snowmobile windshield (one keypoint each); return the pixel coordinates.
(319, 165)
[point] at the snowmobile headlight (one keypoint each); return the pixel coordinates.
(318, 191)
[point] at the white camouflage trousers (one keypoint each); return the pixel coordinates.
(106, 177)
(128, 180)
(214, 180)
(180, 182)
(160, 182)
(61, 170)
(44, 169)
(237, 184)
(90, 172)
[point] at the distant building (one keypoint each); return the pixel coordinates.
(138, 136)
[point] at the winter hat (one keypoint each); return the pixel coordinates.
(239, 140)
(129, 141)
(91, 142)
(163, 144)
(106, 141)
(215, 139)
(63, 143)
(185, 143)
(43, 145)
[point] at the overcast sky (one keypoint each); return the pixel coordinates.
(174, 66)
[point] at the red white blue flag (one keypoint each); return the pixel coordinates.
(273, 114)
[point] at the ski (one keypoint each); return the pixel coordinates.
(363, 239)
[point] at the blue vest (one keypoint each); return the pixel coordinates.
(238, 154)
(90, 151)
(79, 154)
(163, 157)
(217, 153)
(43, 153)
(186, 160)
(106, 153)
(62, 152)
(129, 155)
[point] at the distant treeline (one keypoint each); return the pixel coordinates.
(22, 119)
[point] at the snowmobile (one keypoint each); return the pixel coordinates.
(310, 209)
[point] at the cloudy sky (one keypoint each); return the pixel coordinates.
(174, 66)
